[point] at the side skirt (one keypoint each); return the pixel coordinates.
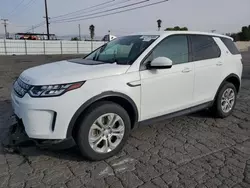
(176, 114)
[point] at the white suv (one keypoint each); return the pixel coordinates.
(130, 81)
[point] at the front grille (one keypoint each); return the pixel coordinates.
(21, 88)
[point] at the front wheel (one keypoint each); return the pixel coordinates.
(225, 100)
(103, 130)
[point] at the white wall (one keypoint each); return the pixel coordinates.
(33, 47)
(243, 46)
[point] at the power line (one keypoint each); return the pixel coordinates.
(91, 10)
(26, 6)
(35, 26)
(109, 10)
(16, 7)
(92, 17)
(135, 8)
(16, 25)
(42, 23)
(78, 11)
(97, 7)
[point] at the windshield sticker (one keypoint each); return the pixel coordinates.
(148, 38)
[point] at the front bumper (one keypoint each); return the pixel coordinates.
(18, 137)
(44, 118)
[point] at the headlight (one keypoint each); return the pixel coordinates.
(53, 90)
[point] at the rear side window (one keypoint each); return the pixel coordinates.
(204, 47)
(230, 45)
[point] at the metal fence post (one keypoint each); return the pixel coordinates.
(77, 45)
(44, 49)
(91, 45)
(25, 46)
(61, 47)
(5, 47)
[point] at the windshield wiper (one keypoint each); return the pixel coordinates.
(100, 51)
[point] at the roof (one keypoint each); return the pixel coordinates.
(166, 33)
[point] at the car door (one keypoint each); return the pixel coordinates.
(208, 66)
(167, 90)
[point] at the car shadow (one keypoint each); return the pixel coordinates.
(201, 114)
(30, 151)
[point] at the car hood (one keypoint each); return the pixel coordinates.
(69, 71)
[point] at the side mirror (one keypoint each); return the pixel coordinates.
(161, 63)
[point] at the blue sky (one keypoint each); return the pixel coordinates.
(203, 15)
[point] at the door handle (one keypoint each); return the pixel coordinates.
(185, 70)
(219, 63)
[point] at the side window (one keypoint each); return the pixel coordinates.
(230, 45)
(173, 47)
(204, 47)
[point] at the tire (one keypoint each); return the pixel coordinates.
(86, 131)
(217, 108)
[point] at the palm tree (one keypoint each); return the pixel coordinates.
(159, 24)
(92, 34)
(92, 31)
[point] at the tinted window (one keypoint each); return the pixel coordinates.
(230, 45)
(123, 50)
(173, 47)
(204, 47)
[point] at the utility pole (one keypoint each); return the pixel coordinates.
(5, 27)
(33, 29)
(47, 19)
(79, 27)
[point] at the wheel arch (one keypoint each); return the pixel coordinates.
(232, 78)
(125, 101)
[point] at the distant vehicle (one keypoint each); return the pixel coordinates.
(34, 36)
(128, 82)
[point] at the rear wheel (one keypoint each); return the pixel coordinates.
(103, 130)
(225, 100)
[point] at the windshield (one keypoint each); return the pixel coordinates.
(123, 50)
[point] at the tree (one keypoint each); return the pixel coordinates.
(159, 22)
(184, 29)
(176, 28)
(92, 31)
(169, 29)
(74, 39)
(245, 33)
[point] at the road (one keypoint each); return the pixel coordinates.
(189, 151)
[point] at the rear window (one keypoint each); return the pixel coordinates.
(230, 45)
